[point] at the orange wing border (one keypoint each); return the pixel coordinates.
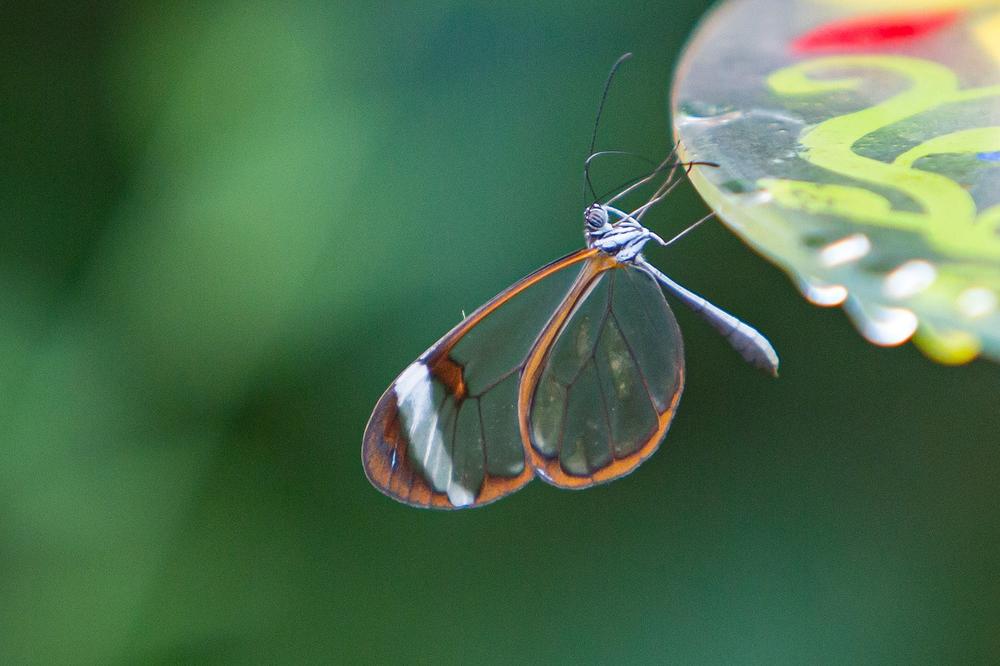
(384, 449)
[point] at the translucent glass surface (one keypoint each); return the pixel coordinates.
(859, 146)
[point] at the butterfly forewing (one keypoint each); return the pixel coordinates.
(446, 433)
(602, 395)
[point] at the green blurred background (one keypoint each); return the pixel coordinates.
(225, 228)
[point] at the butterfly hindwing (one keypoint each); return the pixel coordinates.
(601, 395)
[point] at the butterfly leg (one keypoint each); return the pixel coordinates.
(632, 249)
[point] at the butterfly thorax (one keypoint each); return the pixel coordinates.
(623, 239)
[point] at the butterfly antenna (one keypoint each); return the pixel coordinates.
(603, 153)
(597, 122)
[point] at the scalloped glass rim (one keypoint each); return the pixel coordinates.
(775, 192)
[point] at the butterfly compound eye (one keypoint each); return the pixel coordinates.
(595, 216)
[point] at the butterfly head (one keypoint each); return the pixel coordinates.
(595, 221)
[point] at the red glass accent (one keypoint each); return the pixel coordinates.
(868, 32)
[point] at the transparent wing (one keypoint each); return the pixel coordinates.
(446, 433)
(602, 396)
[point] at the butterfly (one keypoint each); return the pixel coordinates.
(572, 374)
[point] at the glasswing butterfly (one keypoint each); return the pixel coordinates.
(572, 374)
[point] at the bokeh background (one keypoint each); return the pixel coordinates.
(224, 229)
